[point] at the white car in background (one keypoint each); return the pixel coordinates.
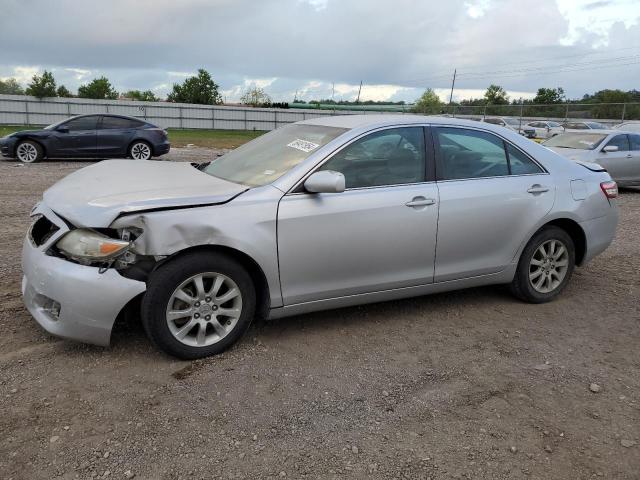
(629, 126)
(512, 124)
(545, 129)
(569, 126)
(617, 151)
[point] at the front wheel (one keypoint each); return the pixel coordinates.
(29, 152)
(545, 267)
(198, 305)
(140, 151)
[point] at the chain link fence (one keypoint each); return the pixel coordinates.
(25, 110)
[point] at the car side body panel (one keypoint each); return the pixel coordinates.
(246, 224)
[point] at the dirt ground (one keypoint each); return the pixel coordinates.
(465, 385)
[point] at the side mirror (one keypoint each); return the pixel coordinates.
(62, 129)
(610, 148)
(325, 181)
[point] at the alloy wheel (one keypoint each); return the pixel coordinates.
(204, 309)
(548, 266)
(27, 152)
(140, 151)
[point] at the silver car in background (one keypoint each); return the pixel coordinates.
(512, 123)
(617, 151)
(319, 214)
(545, 128)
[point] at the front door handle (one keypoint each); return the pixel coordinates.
(537, 189)
(420, 202)
(629, 156)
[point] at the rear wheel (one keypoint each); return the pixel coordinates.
(29, 152)
(545, 267)
(198, 305)
(140, 151)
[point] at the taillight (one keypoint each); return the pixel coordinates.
(610, 189)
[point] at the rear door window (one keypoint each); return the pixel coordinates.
(119, 123)
(635, 142)
(468, 153)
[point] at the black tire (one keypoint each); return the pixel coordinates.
(29, 147)
(134, 147)
(164, 282)
(521, 286)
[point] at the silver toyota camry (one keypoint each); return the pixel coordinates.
(319, 214)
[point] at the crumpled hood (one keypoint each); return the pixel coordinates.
(96, 195)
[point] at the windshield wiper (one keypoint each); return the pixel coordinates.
(200, 166)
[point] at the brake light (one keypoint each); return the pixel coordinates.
(610, 189)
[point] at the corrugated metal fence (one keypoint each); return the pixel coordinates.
(25, 110)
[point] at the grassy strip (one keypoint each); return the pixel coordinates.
(182, 138)
(211, 138)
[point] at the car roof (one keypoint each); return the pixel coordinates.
(380, 120)
(107, 115)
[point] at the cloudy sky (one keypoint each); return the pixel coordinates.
(396, 47)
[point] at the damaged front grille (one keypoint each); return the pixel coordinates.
(42, 230)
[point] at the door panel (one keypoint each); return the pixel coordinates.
(491, 196)
(80, 140)
(114, 136)
(362, 240)
(483, 221)
(621, 165)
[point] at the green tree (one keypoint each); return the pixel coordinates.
(146, 96)
(99, 88)
(429, 102)
(496, 95)
(200, 89)
(10, 86)
(549, 95)
(63, 92)
(255, 97)
(42, 86)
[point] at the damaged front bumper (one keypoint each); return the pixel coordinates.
(67, 299)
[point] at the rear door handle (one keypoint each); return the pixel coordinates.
(420, 202)
(533, 189)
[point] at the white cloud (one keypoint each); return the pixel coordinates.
(79, 73)
(477, 8)
(592, 21)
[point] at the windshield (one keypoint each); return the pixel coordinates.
(596, 126)
(512, 121)
(579, 141)
(270, 156)
(554, 124)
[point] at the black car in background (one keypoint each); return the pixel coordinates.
(88, 136)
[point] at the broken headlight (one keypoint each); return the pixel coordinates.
(87, 246)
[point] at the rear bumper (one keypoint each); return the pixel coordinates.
(161, 148)
(70, 300)
(599, 232)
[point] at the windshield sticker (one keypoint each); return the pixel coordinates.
(268, 172)
(303, 145)
(586, 142)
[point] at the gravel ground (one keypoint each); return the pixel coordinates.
(466, 385)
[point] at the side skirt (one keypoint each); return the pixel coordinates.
(505, 276)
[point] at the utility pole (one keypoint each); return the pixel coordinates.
(453, 84)
(359, 90)
(333, 89)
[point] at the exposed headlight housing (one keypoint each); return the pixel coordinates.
(87, 246)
